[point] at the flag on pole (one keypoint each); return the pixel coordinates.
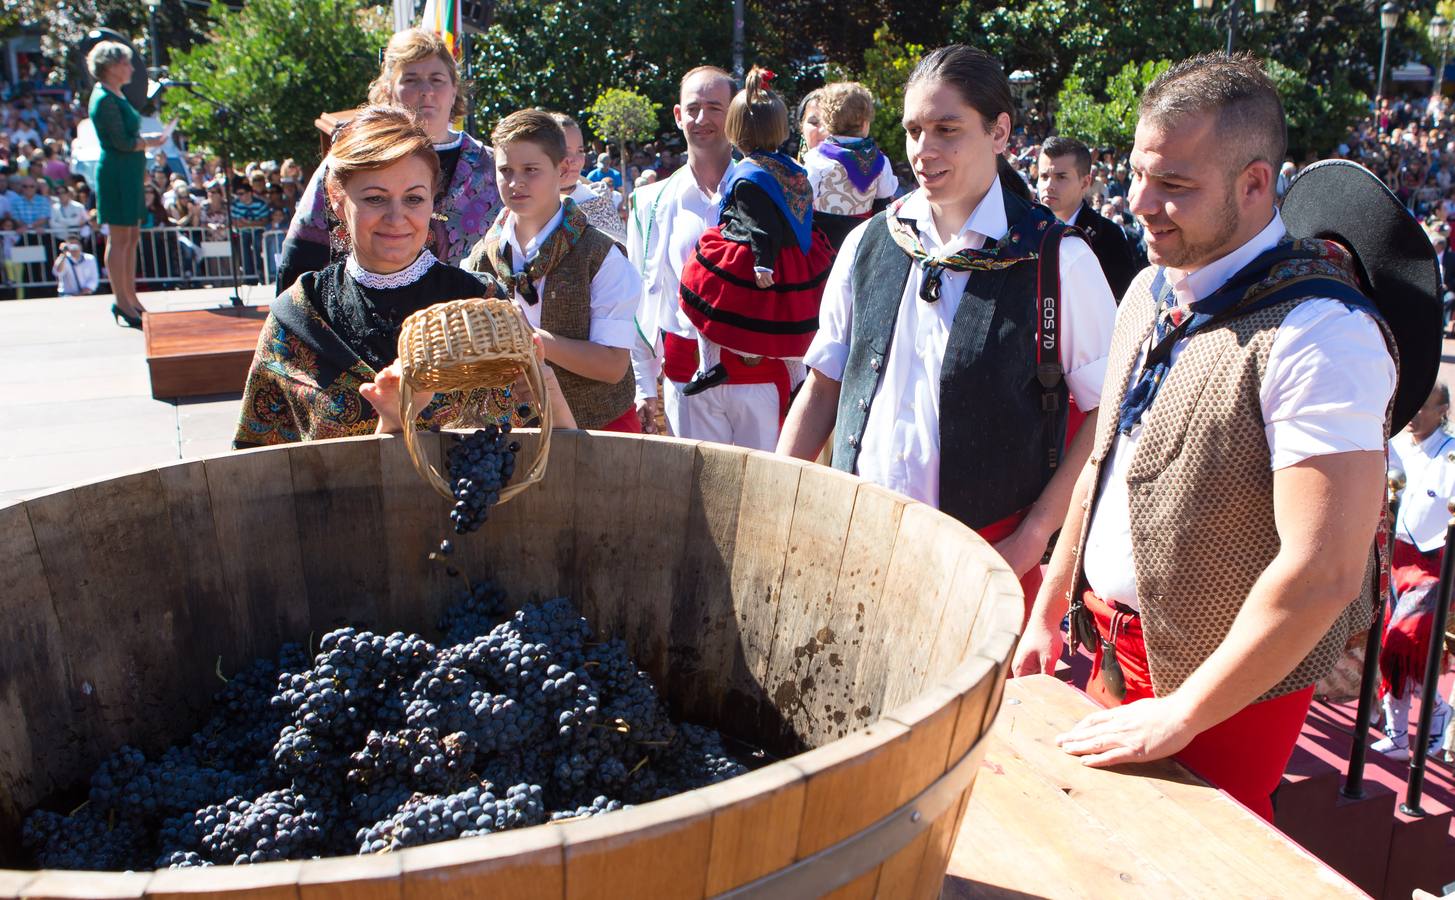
(444, 19)
(403, 15)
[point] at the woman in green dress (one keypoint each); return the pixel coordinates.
(120, 204)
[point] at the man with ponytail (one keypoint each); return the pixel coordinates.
(667, 220)
(933, 365)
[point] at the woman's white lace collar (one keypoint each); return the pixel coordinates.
(404, 277)
(451, 143)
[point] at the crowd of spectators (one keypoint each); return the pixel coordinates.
(47, 200)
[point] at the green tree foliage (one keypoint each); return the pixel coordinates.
(1318, 114)
(278, 64)
(562, 54)
(1108, 121)
(1058, 39)
(64, 23)
(886, 67)
(622, 116)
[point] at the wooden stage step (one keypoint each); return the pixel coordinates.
(194, 353)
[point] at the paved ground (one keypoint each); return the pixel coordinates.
(75, 397)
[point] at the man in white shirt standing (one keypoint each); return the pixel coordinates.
(76, 271)
(667, 219)
(1226, 517)
(926, 363)
(1425, 453)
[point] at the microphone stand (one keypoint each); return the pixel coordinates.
(223, 114)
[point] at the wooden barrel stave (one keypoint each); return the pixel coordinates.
(740, 510)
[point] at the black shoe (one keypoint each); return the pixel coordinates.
(124, 320)
(703, 380)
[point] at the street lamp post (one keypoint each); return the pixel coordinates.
(156, 48)
(1388, 18)
(1261, 7)
(1440, 34)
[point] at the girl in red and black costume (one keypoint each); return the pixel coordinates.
(754, 283)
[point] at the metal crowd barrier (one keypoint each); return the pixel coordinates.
(168, 257)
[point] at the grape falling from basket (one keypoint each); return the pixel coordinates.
(466, 345)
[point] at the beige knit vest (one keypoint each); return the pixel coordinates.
(566, 312)
(1201, 491)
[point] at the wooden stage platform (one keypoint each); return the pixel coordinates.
(193, 353)
(1040, 824)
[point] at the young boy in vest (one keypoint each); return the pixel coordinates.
(570, 279)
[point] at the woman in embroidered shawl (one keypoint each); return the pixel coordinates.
(756, 279)
(330, 341)
(420, 74)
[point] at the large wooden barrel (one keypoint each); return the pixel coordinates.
(861, 637)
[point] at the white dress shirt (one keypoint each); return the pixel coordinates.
(74, 277)
(1325, 390)
(615, 289)
(901, 444)
(1429, 469)
(667, 219)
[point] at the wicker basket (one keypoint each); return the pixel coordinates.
(462, 345)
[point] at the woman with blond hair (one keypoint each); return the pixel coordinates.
(420, 75)
(119, 173)
(330, 341)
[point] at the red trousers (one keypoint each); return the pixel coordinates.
(1409, 565)
(1031, 581)
(626, 423)
(1245, 754)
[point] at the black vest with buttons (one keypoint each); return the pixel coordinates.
(992, 428)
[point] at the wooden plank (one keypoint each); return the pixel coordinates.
(975, 681)
(770, 489)
(802, 638)
(264, 881)
(37, 755)
(112, 566)
(605, 530)
(755, 824)
(530, 540)
(868, 544)
(658, 850)
(704, 640)
(254, 516)
(374, 877)
(916, 575)
(415, 519)
(941, 840)
(520, 865)
(861, 888)
(659, 516)
(924, 601)
(963, 598)
(851, 784)
(900, 872)
(1021, 829)
(336, 499)
(13, 881)
(67, 885)
(1156, 810)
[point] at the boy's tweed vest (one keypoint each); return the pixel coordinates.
(1201, 483)
(992, 427)
(566, 312)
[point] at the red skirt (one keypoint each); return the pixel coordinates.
(722, 299)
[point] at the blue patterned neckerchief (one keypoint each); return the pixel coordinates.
(1018, 245)
(786, 184)
(1293, 268)
(557, 245)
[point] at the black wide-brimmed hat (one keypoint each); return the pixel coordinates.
(1342, 201)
